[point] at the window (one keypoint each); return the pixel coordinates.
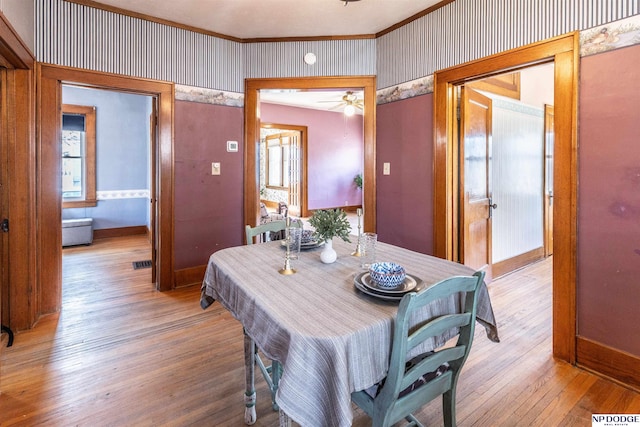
(279, 154)
(78, 156)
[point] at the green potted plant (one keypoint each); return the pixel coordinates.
(330, 223)
(358, 181)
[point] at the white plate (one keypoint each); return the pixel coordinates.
(407, 285)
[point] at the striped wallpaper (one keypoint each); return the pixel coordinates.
(334, 58)
(76, 35)
(465, 30)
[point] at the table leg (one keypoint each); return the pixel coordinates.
(285, 421)
(249, 372)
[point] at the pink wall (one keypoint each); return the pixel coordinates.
(208, 208)
(405, 197)
(609, 199)
(336, 152)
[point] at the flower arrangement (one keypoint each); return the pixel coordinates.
(330, 223)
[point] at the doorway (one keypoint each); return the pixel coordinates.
(252, 136)
(49, 174)
(283, 167)
(503, 147)
(563, 52)
(108, 139)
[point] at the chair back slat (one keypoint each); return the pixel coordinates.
(430, 364)
(273, 226)
(436, 327)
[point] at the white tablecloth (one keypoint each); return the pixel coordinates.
(330, 338)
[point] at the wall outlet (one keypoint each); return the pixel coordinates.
(215, 168)
(386, 169)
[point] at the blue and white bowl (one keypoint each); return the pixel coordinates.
(307, 237)
(387, 275)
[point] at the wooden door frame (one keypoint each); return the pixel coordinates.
(546, 198)
(17, 130)
(564, 52)
(304, 130)
(50, 80)
(252, 136)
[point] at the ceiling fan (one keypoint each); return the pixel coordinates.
(349, 103)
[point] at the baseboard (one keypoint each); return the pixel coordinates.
(508, 265)
(104, 233)
(610, 362)
(189, 276)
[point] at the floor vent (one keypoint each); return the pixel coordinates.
(141, 264)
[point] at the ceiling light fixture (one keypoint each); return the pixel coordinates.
(349, 110)
(346, 2)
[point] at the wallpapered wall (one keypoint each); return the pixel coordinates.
(609, 199)
(208, 208)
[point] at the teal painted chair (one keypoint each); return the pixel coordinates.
(273, 372)
(260, 231)
(410, 385)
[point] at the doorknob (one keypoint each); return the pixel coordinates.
(492, 205)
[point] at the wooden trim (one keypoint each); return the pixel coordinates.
(18, 305)
(125, 12)
(23, 305)
(613, 363)
(414, 17)
(190, 276)
(504, 84)
(252, 136)
(512, 264)
(563, 51)
(304, 131)
(308, 38)
(89, 113)
(13, 50)
(104, 233)
(50, 79)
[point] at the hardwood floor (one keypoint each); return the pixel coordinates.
(120, 353)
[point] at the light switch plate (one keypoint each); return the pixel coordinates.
(386, 169)
(215, 168)
(232, 146)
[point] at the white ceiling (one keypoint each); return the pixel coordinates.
(247, 19)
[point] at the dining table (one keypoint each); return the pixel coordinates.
(331, 337)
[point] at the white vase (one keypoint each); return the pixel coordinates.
(328, 254)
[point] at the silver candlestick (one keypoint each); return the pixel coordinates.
(287, 270)
(358, 251)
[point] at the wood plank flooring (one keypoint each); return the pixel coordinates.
(121, 354)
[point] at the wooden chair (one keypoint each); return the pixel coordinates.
(410, 385)
(273, 372)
